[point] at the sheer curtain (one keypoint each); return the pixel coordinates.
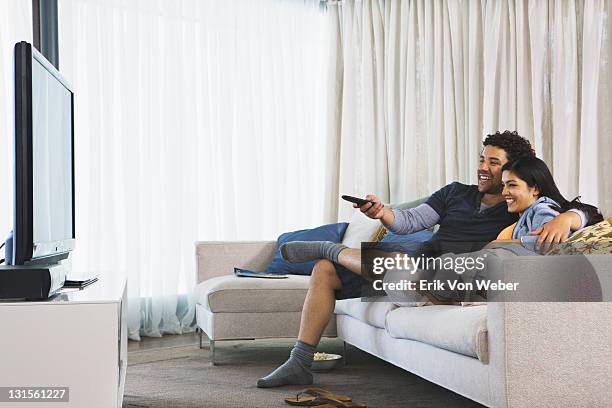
(15, 26)
(195, 120)
(420, 83)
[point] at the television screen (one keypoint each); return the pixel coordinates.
(44, 160)
(51, 157)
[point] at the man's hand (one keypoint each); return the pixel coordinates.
(556, 230)
(375, 209)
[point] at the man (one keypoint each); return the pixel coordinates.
(465, 213)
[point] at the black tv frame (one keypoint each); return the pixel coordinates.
(23, 234)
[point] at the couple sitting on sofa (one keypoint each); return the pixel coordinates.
(515, 197)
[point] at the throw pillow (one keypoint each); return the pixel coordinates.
(330, 232)
(362, 229)
(596, 239)
(380, 234)
(406, 243)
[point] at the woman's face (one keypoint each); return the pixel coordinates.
(518, 195)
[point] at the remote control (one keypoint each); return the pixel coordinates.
(359, 201)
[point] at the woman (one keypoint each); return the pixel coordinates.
(530, 190)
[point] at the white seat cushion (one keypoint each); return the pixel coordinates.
(371, 312)
(454, 328)
(234, 294)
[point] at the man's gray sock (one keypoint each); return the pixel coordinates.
(304, 251)
(296, 370)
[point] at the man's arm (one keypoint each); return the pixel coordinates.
(410, 220)
(405, 221)
(559, 228)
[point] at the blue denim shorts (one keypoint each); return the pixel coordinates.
(352, 284)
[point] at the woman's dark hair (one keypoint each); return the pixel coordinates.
(535, 173)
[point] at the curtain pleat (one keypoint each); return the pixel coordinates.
(455, 71)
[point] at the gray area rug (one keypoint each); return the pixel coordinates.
(183, 377)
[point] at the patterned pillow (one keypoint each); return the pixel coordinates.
(596, 239)
(380, 234)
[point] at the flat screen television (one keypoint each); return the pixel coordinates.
(43, 230)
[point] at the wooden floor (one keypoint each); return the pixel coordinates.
(168, 340)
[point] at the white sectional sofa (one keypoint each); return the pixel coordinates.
(500, 354)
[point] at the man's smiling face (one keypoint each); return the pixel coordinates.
(492, 160)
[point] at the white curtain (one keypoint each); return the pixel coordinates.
(420, 83)
(195, 120)
(15, 26)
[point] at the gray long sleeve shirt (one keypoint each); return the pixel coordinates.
(410, 220)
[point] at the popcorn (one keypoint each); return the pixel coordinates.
(325, 357)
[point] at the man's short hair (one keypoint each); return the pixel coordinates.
(514, 145)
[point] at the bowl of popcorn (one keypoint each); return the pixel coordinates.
(325, 361)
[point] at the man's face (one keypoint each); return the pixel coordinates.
(492, 160)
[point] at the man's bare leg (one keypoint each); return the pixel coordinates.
(316, 313)
(320, 302)
(351, 259)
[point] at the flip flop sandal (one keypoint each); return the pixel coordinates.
(310, 398)
(321, 392)
(317, 402)
(339, 404)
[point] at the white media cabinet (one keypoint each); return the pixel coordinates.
(76, 340)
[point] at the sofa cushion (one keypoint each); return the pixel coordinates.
(410, 239)
(362, 229)
(454, 328)
(371, 312)
(329, 232)
(409, 204)
(234, 294)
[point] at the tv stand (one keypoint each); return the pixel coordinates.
(76, 340)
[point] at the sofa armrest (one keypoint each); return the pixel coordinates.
(218, 258)
(542, 353)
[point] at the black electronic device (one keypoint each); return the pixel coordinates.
(44, 160)
(43, 213)
(35, 282)
(359, 201)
